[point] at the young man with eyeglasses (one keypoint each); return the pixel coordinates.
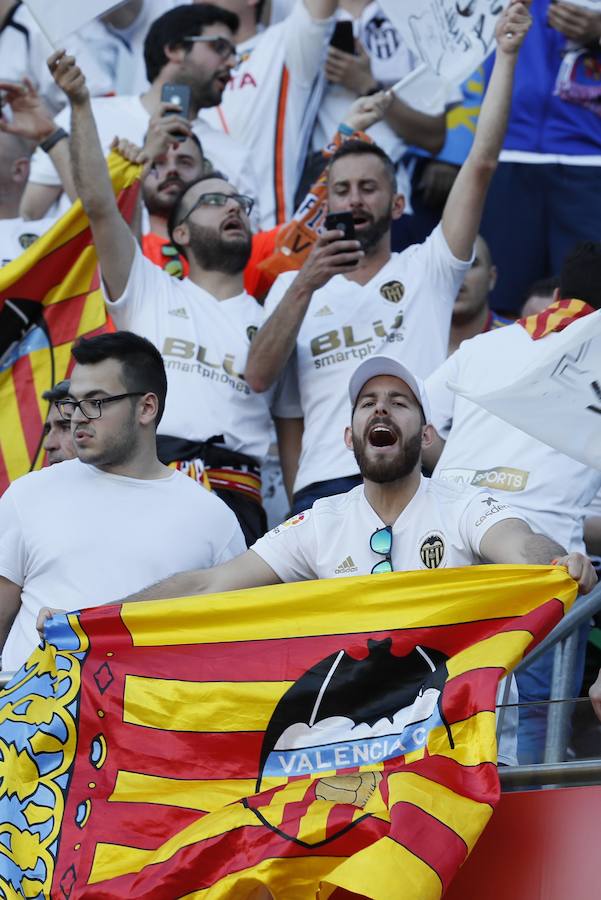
(214, 425)
(87, 530)
(191, 45)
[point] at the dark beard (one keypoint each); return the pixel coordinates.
(376, 230)
(157, 205)
(392, 469)
(215, 254)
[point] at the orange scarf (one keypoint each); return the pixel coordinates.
(555, 317)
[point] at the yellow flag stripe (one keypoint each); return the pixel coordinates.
(369, 873)
(205, 796)
(325, 605)
(12, 442)
(201, 706)
(475, 741)
(505, 649)
(289, 879)
(464, 816)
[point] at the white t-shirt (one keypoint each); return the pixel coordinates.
(17, 234)
(24, 50)
(74, 537)
(404, 311)
(126, 117)
(442, 527)
(271, 103)
(550, 490)
(204, 343)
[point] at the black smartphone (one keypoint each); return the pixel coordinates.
(341, 221)
(343, 37)
(180, 95)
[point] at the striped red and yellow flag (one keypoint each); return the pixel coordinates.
(58, 272)
(314, 739)
(555, 317)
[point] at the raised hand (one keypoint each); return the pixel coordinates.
(69, 77)
(513, 26)
(30, 118)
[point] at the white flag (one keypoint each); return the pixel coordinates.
(554, 393)
(453, 37)
(60, 18)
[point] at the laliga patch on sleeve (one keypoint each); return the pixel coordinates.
(491, 507)
(292, 522)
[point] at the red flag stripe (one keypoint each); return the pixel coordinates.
(428, 838)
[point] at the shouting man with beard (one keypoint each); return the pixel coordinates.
(355, 298)
(215, 428)
(397, 520)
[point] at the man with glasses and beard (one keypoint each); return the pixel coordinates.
(88, 530)
(397, 520)
(215, 428)
(355, 298)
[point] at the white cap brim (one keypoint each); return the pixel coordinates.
(386, 365)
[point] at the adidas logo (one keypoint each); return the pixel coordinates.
(181, 312)
(324, 311)
(346, 567)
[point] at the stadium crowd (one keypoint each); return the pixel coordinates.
(284, 180)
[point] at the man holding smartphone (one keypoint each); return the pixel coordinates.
(354, 298)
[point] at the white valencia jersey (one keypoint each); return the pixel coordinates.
(204, 343)
(271, 103)
(549, 489)
(441, 527)
(404, 311)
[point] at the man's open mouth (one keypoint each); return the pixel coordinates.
(381, 436)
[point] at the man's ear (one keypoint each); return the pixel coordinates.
(398, 206)
(181, 233)
(348, 437)
(428, 436)
(149, 409)
(174, 53)
(20, 170)
(492, 278)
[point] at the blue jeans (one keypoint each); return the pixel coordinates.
(306, 497)
(535, 684)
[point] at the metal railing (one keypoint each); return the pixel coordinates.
(564, 638)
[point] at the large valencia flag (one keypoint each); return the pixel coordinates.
(59, 274)
(315, 738)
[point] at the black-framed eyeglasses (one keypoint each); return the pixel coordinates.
(220, 45)
(91, 408)
(381, 542)
(218, 198)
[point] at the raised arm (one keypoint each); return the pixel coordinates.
(112, 238)
(463, 209)
(513, 541)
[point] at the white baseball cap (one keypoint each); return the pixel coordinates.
(386, 365)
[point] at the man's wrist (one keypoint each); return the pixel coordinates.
(58, 134)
